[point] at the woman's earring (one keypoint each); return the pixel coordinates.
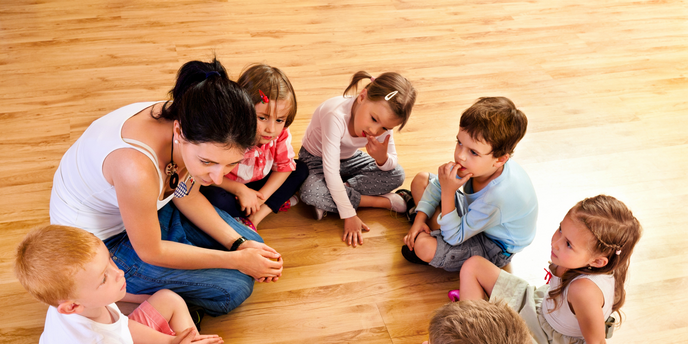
(589, 267)
(176, 141)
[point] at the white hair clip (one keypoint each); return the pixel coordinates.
(390, 95)
(618, 252)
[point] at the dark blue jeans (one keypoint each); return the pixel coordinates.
(218, 291)
(227, 201)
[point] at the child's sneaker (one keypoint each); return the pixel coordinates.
(247, 223)
(411, 256)
(292, 201)
(319, 213)
(197, 313)
(411, 215)
(410, 204)
(397, 202)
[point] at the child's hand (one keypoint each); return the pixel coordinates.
(250, 200)
(416, 228)
(190, 335)
(208, 339)
(352, 231)
(448, 175)
(377, 150)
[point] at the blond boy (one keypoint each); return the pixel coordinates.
(71, 270)
(478, 322)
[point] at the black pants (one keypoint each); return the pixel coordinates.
(228, 202)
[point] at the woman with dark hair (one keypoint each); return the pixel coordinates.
(117, 179)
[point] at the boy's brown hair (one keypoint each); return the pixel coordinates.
(478, 322)
(497, 122)
(48, 258)
(273, 83)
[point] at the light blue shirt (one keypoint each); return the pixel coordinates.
(506, 210)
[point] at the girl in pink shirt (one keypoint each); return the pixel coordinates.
(342, 177)
(266, 180)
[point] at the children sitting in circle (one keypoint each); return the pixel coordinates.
(341, 177)
(71, 270)
(495, 215)
(591, 252)
(476, 230)
(268, 177)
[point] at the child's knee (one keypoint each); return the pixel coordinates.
(471, 266)
(397, 177)
(166, 296)
(301, 172)
(308, 195)
(420, 182)
(425, 247)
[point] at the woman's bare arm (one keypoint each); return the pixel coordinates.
(137, 186)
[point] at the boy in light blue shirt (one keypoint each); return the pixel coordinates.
(495, 215)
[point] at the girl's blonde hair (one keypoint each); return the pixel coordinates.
(382, 88)
(478, 321)
(616, 233)
(273, 83)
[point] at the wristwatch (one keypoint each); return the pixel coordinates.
(237, 243)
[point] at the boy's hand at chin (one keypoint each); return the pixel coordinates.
(448, 175)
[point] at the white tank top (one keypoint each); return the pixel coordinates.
(562, 319)
(81, 197)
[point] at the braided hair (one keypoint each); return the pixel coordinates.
(616, 232)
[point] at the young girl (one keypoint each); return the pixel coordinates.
(591, 251)
(343, 178)
(268, 176)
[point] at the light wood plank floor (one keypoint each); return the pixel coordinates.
(603, 83)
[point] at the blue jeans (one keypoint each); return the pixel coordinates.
(218, 291)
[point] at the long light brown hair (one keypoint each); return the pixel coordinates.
(273, 83)
(380, 87)
(615, 229)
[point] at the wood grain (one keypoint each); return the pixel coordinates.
(603, 84)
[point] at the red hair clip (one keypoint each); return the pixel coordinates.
(263, 98)
(548, 275)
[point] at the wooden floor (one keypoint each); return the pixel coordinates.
(604, 85)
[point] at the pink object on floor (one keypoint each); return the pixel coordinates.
(454, 295)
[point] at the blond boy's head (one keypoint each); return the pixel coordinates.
(478, 322)
(49, 257)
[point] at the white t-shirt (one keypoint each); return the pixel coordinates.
(328, 136)
(74, 328)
